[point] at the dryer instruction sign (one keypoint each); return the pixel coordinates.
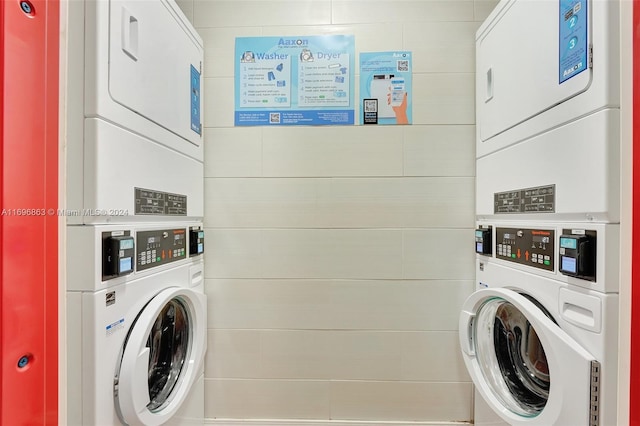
(573, 45)
(294, 80)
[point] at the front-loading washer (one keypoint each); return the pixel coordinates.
(538, 332)
(136, 324)
(133, 113)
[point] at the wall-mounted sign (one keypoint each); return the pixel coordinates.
(385, 88)
(294, 80)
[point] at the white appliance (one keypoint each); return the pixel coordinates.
(540, 344)
(134, 113)
(137, 318)
(538, 128)
(547, 211)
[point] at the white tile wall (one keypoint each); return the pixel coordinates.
(338, 257)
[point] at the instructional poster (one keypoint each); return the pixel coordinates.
(573, 38)
(294, 80)
(385, 88)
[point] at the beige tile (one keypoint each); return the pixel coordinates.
(397, 305)
(439, 151)
(232, 152)
(482, 8)
(269, 304)
(327, 253)
(295, 354)
(233, 354)
(397, 203)
(401, 401)
(367, 11)
(441, 46)
(433, 356)
(438, 254)
(247, 13)
(267, 399)
(261, 203)
(329, 151)
(232, 253)
(444, 98)
(218, 102)
(366, 355)
(219, 48)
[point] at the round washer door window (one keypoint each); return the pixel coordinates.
(162, 357)
(512, 358)
(168, 344)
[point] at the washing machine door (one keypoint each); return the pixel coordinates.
(162, 357)
(529, 371)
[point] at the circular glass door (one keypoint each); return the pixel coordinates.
(511, 357)
(168, 344)
(161, 357)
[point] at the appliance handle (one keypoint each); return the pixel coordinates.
(129, 34)
(489, 94)
(466, 332)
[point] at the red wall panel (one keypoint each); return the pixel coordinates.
(28, 224)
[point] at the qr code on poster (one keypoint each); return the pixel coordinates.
(274, 117)
(403, 66)
(370, 105)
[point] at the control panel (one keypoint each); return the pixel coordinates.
(117, 254)
(159, 247)
(196, 241)
(531, 247)
(577, 254)
(483, 240)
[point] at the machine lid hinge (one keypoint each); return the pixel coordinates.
(594, 397)
(590, 60)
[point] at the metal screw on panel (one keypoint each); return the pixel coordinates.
(26, 7)
(23, 361)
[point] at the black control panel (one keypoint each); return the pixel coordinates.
(531, 247)
(196, 241)
(577, 254)
(117, 254)
(159, 247)
(483, 241)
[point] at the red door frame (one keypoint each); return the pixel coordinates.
(29, 69)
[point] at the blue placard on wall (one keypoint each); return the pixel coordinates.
(286, 81)
(573, 43)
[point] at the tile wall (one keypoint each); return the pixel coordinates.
(338, 257)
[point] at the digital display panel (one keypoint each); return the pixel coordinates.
(541, 239)
(570, 243)
(152, 240)
(569, 264)
(479, 247)
(508, 236)
(200, 248)
(126, 244)
(125, 264)
(478, 234)
(201, 234)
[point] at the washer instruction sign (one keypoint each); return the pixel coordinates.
(294, 80)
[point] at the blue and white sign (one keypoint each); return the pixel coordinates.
(294, 80)
(385, 87)
(574, 47)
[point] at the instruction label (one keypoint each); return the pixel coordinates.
(294, 80)
(573, 43)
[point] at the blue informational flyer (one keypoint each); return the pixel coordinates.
(288, 81)
(573, 47)
(385, 88)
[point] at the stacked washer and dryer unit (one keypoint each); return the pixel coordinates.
(539, 334)
(136, 312)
